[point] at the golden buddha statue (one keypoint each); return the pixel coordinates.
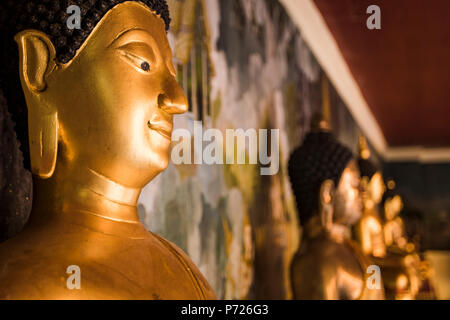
(326, 182)
(398, 278)
(100, 101)
(423, 269)
(369, 230)
(394, 229)
(397, 243)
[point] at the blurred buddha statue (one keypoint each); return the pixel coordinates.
(326, 181)
(96, 128)
(398, 277)
(394, 229)
(427, 289)
(397, 243)
(413, 227)
(369, 230)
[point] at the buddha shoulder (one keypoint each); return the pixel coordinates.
(317, 255)
(110, 267)
(320, 267)
(190, 267)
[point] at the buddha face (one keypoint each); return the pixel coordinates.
(115, 100)
(347, 198)
(392, 207)
(376, 187)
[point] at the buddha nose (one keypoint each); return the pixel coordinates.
(173, 100)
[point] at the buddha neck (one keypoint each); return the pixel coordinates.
(72, 190)
(337, 232)
(369, 204)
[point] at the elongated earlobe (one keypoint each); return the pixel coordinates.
(326, 204)
(37, 61)
(43, 136)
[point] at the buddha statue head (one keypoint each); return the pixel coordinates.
(394, 233)
(94, 110)
(392, 202)
(94, 105)
(371, 178)
(325, 180)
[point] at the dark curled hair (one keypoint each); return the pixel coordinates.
(321, 157)
(50, 17)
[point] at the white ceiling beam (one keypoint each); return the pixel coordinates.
(417, 154)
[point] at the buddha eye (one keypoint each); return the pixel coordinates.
(136, 61)
(145, 66)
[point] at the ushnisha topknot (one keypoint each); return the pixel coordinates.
(321, 157)
(366, 167)
(49, 17)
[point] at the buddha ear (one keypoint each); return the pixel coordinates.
(37, 59)
(326, 200)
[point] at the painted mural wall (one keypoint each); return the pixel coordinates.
(243, 64)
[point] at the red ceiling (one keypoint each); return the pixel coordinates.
(403, 69)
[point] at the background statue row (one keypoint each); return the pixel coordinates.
(338, 198)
